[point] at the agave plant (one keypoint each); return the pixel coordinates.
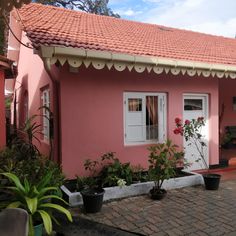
(36, 200)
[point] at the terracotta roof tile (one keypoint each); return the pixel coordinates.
(47, 25)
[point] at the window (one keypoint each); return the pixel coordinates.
(193, 104)
(46, 113)
(144, 117)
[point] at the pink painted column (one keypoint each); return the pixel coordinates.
(2, 112)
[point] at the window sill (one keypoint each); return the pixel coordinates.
(140, 143)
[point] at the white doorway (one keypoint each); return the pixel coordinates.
(194, 106)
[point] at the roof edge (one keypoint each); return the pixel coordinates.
(76, 56)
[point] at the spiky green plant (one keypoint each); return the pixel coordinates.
(35, 199)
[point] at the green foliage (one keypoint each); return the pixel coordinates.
(24, 143)
(35, 169)
(99, 7)
(86, 182)
(105, 173)
(163, 159)
(35, 199)
(138, 173)
(114, 170)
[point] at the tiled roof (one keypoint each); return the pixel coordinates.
(47, 25)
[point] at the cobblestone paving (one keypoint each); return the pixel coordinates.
(191, 211)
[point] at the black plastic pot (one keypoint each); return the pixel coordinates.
(211, 181)
(93, 199)
(157, 195)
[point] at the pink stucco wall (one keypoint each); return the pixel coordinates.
(92, 113)
(31, 78)
(2, 112)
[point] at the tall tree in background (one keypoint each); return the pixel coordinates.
(99, 7)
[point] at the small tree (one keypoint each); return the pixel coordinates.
(191, 130)
(163, 159)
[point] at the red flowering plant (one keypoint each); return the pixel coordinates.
(163, 160)
(191, 131)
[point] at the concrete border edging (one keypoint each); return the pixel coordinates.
(75, 198)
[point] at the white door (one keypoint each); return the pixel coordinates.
(196, 106)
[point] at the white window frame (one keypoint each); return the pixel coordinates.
(45, 103)
(162, 116)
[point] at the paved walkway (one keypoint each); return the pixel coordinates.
(188, 211)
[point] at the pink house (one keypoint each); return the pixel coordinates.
(117, 85)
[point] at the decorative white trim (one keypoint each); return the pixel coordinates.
(99, 59)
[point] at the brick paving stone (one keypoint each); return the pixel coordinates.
(147, 230)
(188, 211)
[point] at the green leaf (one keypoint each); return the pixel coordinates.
(46, 221)
(27, 186)
(32, 204)
(44, 182)
(16, 181)
(14, 204)
(44, 190)
(59, 208)
(52, 196)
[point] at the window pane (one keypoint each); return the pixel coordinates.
(151, 117)
(192, 104)
(135, 104)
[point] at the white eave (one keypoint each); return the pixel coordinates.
(101, 59)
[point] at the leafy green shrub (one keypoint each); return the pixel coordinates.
(163, 159)
(35, 169)
(107, 172)
(138, 173)
(115, 170)
(36, 200)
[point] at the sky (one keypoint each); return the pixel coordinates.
(217, 17)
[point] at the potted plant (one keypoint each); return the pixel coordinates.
(91, 188)
(36, 200)
(163, 159)
(191, 130)
(105, 173)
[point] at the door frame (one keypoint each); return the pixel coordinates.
(205, 97)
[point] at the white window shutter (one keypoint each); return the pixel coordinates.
(162, 117)
(134, 120)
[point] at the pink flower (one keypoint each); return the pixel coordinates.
(179, 130)
(176, 131)
(178, 121)
(187, 122)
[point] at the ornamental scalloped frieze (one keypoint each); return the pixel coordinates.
(100, 64)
